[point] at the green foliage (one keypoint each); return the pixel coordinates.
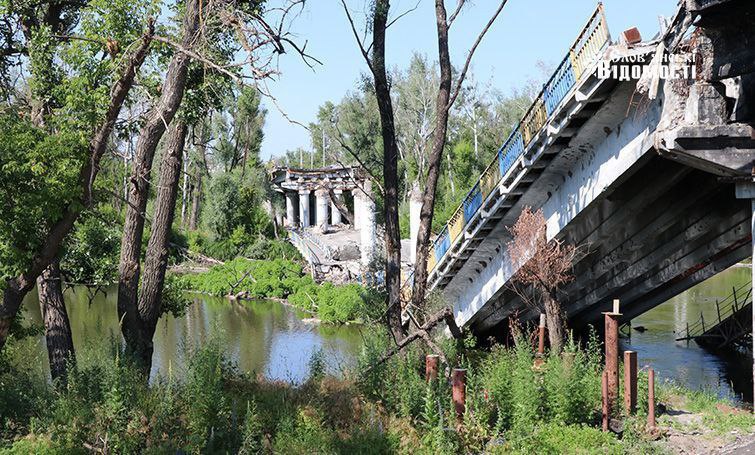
(92, 250)
(38, 178)
(279, 278)
(234, 209)
(554, 438)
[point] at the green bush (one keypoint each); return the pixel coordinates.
(279, 278)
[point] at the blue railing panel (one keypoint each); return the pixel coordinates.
(512, 150)
(442, 244)
(472, 203)
(559, 85)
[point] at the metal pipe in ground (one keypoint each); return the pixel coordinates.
(540, 342)
(541, 336)
(604, 399)
(651, 399)
(612, 353)
(431, 367)
(630, 382)
(459, 391)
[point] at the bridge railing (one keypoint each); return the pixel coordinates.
(588, 46)
(303, 247)
(739, 298)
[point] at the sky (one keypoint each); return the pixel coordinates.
(525, 33)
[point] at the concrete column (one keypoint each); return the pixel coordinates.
(357, 207)
(746, 190)
(415, 205)
(290, 209)
(322, 200)
(304, 208)
(336, 214)
(366, 226)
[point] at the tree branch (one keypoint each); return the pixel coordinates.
(365, 54)
(477, 42)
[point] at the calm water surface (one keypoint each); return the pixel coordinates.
(263, 338)
(272, 340)
(686, 362)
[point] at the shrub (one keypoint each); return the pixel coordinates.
(280, 278)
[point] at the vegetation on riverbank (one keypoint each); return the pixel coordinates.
(212, 407)
(285, 279)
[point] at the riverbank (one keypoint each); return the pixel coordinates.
(285, 280)
(209, 405)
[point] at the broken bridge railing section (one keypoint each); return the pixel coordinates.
(730, 324)
(591, 42)
(304, 248)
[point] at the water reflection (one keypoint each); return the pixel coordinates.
(270, 339)
(263, 338)
(686, 362)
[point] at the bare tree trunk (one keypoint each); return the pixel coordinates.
(185, 189)
(156, 262)
(450, 172)
(434, 161)
(195, 199)
(390, 169)
(57, 326)
(555, 322)
(133, 229)
(196, 194)
(17, 287)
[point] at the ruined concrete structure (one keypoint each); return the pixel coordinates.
(309, 193)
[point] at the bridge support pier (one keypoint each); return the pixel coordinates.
(322, 201)
(415, 206)
(746, 190)
(335, 213)
(304, 208)
(290, 209)
(365, 223)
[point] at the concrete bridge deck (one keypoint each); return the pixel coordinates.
(645, 182)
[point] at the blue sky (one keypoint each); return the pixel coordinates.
(527, 31)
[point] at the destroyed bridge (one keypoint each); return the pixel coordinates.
(641, 151)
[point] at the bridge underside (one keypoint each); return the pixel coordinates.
(641, 246)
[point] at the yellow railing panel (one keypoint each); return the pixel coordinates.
(589, 43)
(534, 120)
(430, 258)
(490, 178)
(456, 224)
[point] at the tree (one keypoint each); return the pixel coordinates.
(34, 256)
(156, 261)
(543, 267)
(445, 99)
(390, 191)
(138, 337)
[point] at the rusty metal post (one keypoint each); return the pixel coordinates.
(651, 399)
(541, 336)
(431, 367)
(459, 389)
(630, 381)
(612, 353)
(604, 399)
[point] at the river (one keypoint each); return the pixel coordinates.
(273, 340)
(262, 337)
(687, 363)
